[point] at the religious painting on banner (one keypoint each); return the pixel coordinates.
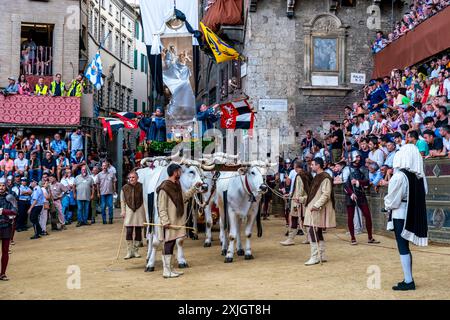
(178, 77)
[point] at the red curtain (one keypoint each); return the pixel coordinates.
(223, 12)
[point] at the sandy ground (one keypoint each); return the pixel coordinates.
(38, 269)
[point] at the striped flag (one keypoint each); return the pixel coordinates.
(129, 115)
(237, 115)
(110, 124)
(128, 119)
(94, 71)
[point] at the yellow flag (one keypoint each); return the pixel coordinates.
(222, 51)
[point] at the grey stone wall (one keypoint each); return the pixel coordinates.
(275, 50)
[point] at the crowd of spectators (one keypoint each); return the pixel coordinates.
(419, 11)
(55, 174)
(411, 106)
(57, 87)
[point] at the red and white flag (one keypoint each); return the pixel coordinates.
(237, 115)
(128, 119)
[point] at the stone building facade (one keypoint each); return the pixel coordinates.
(285, 47)
(281, 63)
(62, 19)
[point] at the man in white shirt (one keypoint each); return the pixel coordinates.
(32, 144)
(69, 182)
(375, 154)
(111, 168)
(447, 83)
(21, 164)
(364, 125)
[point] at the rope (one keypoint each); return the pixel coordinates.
(386, 247)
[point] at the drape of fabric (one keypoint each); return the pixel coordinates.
(416, 225)
(155, 63)
(227, 12)
(175, 194)
(306, 179)
(409, 158)
(155, 13)
(133, 195)
(315, 185)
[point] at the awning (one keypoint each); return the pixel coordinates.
(425, 40)
(38, 111)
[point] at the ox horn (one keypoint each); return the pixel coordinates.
(172, 157)
(143, 161)
(208, 167)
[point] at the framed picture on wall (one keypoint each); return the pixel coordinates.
(325, 57)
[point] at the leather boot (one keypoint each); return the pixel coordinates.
(129, 250)
(322, 251)
(290, 239)
(135, 249)
(178, 272)
(167, 270)
(314, 259)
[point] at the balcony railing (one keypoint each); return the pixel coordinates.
(39, 111)
(36, 60)
(427, 39)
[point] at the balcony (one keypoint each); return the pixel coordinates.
(427, 39)
(39, 111)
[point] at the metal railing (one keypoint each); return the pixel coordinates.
(36, 60)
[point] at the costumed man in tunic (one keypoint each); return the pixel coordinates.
(354, 181)
(406, 201)
(172, 214)
(133, 211)
(8, 211)
(319, 213)
(300, 191)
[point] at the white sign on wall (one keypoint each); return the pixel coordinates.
(326, 81)
(243, 70)
(358, 78)
(273, 105)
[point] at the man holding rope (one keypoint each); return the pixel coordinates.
(133, 211)
(300, 192)
(320, 212)
(172, 215)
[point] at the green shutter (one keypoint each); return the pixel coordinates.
(137, 29)
(146, 64)
(135, 59)
(135, 104)
(142, 62)
(143, 106)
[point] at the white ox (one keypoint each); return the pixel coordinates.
(151, 178)
(237, 196)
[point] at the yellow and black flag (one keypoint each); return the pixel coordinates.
(222, 51)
